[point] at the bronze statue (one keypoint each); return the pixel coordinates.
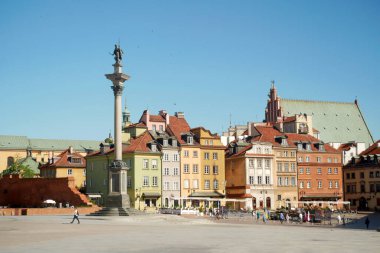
(118, 53)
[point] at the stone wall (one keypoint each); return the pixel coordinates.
(46, 211)
(31, 192)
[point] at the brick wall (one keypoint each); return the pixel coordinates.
(46, 211)
(31, 192)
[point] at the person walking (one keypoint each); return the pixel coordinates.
(258, 216)
(287, 218)
(76, 216)
(339, 219)
(301, 217)
(281, 217)
(367, 222)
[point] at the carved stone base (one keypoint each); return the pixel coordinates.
(118, 200)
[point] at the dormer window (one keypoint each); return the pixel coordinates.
(189, 139)
(154, 127)
(284, 142)
(299, 146)
(308, 146)
(165, 143)
(75, 160)
(321, 147)
(174, 143)
(154, 147)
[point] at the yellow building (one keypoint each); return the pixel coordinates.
(66, 164)
(18, 147)
(211, 167)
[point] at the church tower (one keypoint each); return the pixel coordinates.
(273, 111)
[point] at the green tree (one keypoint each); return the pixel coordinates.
(17, 168)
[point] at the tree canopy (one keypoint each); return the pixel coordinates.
(17, 168)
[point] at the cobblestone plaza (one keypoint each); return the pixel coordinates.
(170, 233)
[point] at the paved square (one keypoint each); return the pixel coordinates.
(167, 233)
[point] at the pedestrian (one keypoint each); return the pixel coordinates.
(281, 217)
(264, 217)
(287, 218)
(367, 222)
(339, 219)
(76, 216)
(253, 214)
(344, 220)
(258, 216)
(301, 217)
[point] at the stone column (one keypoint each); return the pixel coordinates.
(117, 196)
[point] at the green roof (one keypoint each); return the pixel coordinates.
(336, 121)
(22, 142)
(29, 161)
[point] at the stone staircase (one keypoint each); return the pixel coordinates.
(116, 211)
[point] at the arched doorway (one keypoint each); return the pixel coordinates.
(253, 203)
(362, 204)
(10, 161)
(288, 205)
(166, 202)
(268, 205)
(261, 204)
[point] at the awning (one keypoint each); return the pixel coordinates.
(94, 196)
(151, 195)
(207, 194)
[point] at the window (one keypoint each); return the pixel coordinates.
(195, 183)
(69, 171)
(330, 184)
(293, 167)
(189, 139)
(76, 160)
(259, 180)
(186, 153)
(207, 184)
(319, 184)
(372, 188)
(267, 163)
(361, 174)
(329, 171)
(175, 157)
(166, 157)
(286, 167)
(329, 159)
(279, 181)
(377, 173)
(195, 168)
(319, 171)
(216, 184)
(129, 181)
(206, 142)
(307, 159)
(206, 156)
(308, 146)
(319, 159)
(301, 185)
(215, 169)
(335, 170)
(267, 180)
(370, 174)
(293, 181)
(335, 160)
(251, 163)
(301, 170)
(154, 181)
(146, 181)
(176, 186)
(336, 184)
(165, 142)
(166, 186)
(267, 151)
(258, 150)
(211, 142)
(215, 156)
(285, 153)
(279, 167)
(145, 164)
(154, 127)
(185, 168)
(251, 180)
(259, 163)
(161, 128)
(10, 161)
(308, 185)
(195, 154)
(174, 143)
(154, 147)
(186, 184)
(175, 171)
(286, 181)
(84, 172)
(166, 171)
(348, 188)
(207, 169)
(348, 176)
(307, 170)
(299, 146)
(292, 154)
(300, 159)
(154, 164)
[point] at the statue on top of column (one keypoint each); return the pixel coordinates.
(118, 53)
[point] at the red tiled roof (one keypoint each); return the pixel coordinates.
(139, 143)
(345, 146)
(63, 161)
(140, 124)
(289, 119)
(372, 150)
(156, 118)
(177, 126)
(245, 132)
(268, 134)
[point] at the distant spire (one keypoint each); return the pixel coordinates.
(272, 84)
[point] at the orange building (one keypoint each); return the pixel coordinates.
(66, 164)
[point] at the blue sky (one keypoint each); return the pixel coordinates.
(206, 58)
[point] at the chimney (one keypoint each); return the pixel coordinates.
(180, 115)
(71, 150)
(165, 114)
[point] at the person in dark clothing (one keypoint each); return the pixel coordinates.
(76, 216)
(367, 222)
